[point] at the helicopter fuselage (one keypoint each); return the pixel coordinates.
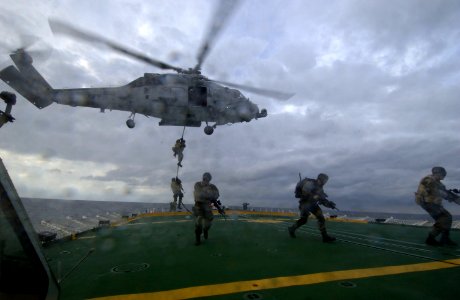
(177, 99)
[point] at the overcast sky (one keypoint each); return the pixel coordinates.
(376, 105)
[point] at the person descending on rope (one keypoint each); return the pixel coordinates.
(177, 189)
(178, 150)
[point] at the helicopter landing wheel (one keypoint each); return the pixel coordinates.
(208, 130)
(130, 123)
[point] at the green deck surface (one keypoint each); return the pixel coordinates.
(239, 249)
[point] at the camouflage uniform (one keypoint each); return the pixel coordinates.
(178, 150)
(204, 192)
(429, 196)
(312, 194)
(172, 206)
(176, 187)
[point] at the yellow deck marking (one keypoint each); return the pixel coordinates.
(282, 282)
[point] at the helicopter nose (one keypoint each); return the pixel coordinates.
(245, 113)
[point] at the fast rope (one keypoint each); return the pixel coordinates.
(177, 173)
(182, 137)
(183, 131)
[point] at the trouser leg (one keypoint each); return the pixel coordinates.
(442, 218)
(175, 202)
(300, 222)
(206, 226)
(180, 201)
(445, 224)
(322, 225)
(198, 230)
(304, 213)
(320, 219)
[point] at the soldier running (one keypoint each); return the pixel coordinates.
(205, 194)
(310, 192)
(429, 196)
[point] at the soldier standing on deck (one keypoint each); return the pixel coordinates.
(429, 196)
(205, 194)
(310, 192)
(177, 189)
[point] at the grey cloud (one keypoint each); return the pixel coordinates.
(375, 132)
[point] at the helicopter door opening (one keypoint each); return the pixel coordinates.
(198, 96)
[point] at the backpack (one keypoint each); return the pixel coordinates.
(299, 186)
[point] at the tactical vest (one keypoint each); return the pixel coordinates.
(429, 191)
(204, 193)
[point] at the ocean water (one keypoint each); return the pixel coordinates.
(54, 209)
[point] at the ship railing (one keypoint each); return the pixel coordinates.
(79, 225)
(392, 220)
(60, 230)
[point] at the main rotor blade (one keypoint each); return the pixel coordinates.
(59, 27)
(224, 9)
(264, 92)
(34, 46)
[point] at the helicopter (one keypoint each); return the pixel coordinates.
(185, 98)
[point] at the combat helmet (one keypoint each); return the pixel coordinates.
(207, 176)
(439, 170)
(323, 178)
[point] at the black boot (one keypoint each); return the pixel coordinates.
(327, 238)
(205, 234)
(430, 240)
(291, 230)
(197, 236)
(445, 240)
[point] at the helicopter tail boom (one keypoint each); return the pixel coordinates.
(26, 80)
